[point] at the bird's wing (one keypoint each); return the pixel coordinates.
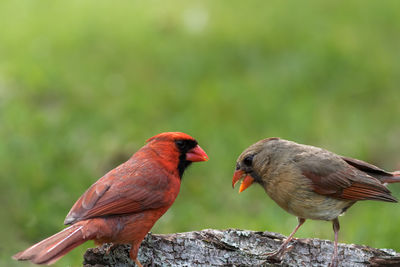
(374, 171)
(331, 175)
(123, 190)
(365, 166)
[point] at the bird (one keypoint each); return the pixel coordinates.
(310, 182)
(123, 205)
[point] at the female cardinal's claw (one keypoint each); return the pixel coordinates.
(274, 257)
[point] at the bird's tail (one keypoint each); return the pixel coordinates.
(395, 178)
(54, 247)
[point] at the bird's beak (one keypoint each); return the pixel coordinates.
(247, 180)
(196, 154)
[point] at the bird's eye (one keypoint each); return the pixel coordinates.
(180, 144)
(248, 160)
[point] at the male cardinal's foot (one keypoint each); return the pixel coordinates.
(138, 263)
(111, 247)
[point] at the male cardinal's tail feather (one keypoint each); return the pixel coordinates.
(54, 247)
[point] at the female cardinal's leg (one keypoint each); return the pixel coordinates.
(336, 228)
(277, 255)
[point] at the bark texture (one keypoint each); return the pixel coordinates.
(234, 247)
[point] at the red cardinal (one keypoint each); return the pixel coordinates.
(123, 205)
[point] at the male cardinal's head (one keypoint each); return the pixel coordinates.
(255, 157)
(180, 146)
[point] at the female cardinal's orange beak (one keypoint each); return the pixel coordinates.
(196, 154)
(247, 181)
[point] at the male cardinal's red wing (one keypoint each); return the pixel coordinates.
(122, 191)
(332, 176)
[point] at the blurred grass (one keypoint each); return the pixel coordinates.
(84, 84)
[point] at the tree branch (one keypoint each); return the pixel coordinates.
(234, 247)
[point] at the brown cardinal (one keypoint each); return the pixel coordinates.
(310, 182)
(123, 205)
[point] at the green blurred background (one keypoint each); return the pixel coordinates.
(83, 84)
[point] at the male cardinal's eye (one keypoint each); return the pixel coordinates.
(180, 144)
(248, 160)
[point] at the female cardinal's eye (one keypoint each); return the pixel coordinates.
(248, 160)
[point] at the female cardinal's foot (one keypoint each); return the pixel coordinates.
(274, 257)
(277, 255)
(334, 262)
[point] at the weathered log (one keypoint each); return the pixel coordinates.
(234, 247)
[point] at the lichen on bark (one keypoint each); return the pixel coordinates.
(233, 247)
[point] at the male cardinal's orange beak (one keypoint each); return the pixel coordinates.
(196, 154)
(247, 181)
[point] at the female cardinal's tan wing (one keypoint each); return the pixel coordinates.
(124, 190)
(331, 175)
(365, 166)
(372, 170)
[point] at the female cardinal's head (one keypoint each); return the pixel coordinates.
(252, 162)
(179, 147)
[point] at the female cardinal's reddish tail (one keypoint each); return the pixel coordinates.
(123, 205)
(54, 247)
